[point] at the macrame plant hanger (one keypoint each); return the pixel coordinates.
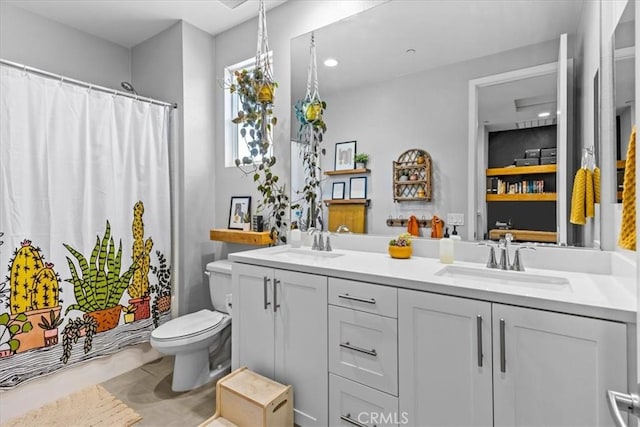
(263, 71)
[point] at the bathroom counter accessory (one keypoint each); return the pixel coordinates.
(258, 238)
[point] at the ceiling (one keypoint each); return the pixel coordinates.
(372, 46)
(129, 22)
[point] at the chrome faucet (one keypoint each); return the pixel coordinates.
(503, 245)
(517, 262)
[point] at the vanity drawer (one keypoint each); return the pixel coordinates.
(350, 401)
(364, 347)
(362, 296)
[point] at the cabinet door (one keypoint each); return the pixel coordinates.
(444, 375)
(252, 322)
(301, 343)
(554, 369)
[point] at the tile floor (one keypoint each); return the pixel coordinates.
(147, 390)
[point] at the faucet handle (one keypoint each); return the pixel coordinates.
(491, 262)
(508, 237)
(517, 261)
(327, 246)
(320, 242)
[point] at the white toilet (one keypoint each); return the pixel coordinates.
(192, 337)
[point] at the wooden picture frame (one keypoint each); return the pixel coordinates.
(345, 156)
(239, 212)
(358, 188)
(338, 190)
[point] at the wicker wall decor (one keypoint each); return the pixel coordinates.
(412, 176)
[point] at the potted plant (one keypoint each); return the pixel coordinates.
(162, 289)
(98, 287)
(9, 328)
(138, 289)
(85, 326)
(129, 313)
(50, 327)
(361, 160)
(400, 247)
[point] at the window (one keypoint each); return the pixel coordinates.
(235, 146)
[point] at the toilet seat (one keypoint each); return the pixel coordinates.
(200, 323)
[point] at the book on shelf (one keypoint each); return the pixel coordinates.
(517, 187)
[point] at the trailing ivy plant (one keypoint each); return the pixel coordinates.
(310, 134)
(256, 121)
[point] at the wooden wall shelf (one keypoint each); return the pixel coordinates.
(522, 197)
(347, 172)
(330, 202)
(260, 238)
(522, 170)
(526, 235)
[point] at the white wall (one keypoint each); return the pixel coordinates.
(285, 22)
(32, 40)
(426, 110)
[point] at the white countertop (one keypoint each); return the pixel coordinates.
(603, 296)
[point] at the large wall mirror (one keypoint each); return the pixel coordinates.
(402, 82)
(624, 89)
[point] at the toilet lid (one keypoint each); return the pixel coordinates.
(188, 325)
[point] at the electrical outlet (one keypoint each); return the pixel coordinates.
(455, 219)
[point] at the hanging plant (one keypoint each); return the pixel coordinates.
(255, 89)
(309, 113)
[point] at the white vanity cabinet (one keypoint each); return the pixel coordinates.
(444, 360)
(555, 369)
(280, 331)
(534, 367)
(363, 354)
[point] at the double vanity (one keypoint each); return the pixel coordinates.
(369, 340)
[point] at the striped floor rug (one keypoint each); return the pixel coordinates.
(92, 406)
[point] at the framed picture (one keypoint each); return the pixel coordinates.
(345, 156)
(338, 190)
(358, 188)
(240, 212)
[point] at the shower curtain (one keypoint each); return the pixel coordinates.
(85, 223)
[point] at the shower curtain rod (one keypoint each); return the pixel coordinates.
(84, 84)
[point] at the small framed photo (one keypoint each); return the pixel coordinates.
(345, 156)
(240, 212)
(358, 188)
(338, 190)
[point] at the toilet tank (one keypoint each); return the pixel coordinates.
(219, 273)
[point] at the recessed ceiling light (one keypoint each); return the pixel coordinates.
(545, 114)
(330, 62)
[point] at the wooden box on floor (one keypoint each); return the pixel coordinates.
(244, 398)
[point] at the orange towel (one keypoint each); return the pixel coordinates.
(627, 239)
(413, 227)
(437, 226)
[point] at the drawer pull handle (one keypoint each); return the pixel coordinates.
(350, 420)
(479, 332)
(275, 295)
(503, 350)
(348, 346)
(265, 282)
(347, 296)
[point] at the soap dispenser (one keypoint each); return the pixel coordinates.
(454, 234)
(446, 248)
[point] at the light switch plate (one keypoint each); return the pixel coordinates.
(455, 219)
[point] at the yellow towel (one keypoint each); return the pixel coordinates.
(589, 196)
(596, 183)
(627, 239)
(578, 212)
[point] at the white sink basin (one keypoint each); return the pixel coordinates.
(293, 254)
(503, 277)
